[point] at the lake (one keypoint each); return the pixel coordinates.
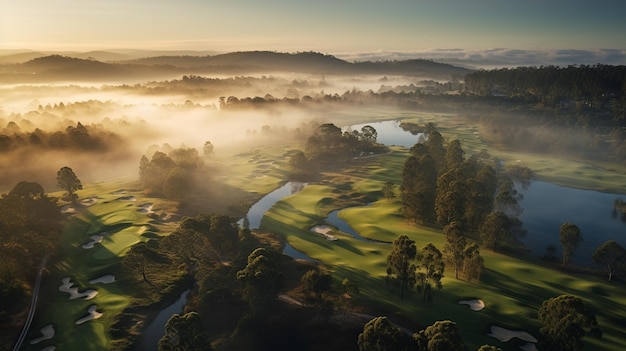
(547, 206)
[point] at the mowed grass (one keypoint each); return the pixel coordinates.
(512, 288)
(121, 225)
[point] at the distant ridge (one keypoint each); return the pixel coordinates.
(59, 67)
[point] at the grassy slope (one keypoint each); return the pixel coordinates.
(124, 226)
(512, 288)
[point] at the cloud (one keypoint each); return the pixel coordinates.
(499, 57)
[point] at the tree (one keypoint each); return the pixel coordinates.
(565, 321)
(207, 149)
(454, 155)
(68, 181)
(380, 335)
(369, 134)
(473, 263)
(261, 280)
(494, 229)
(441, 336)
(454, 248)
(400, 271)
(612, 255)
(298, 162)
(184, 333)
(314, 285)
(178, 184)
(570, 238)
(429, 271)
(389, 190)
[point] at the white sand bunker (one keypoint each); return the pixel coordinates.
(474, 304)
(95, 239)
(127, 198)
(68, 209)
(324, 230)
(505, 335)
(68, 287)
(47, 333)
(119, 192)
(49, 348)
(145, 208)
(105, 279)
(93, 314)
(89, 201)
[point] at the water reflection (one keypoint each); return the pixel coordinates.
(547, 206)
(257, 211)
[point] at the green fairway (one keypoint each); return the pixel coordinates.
(512, 288)
(120, 225)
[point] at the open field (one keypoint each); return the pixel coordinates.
(512, 288)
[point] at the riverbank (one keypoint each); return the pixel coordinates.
(513, 288)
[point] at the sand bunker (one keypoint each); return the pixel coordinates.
(105, 279)
(475, 304)
(119, 192)
(145, 208)
(49, 348)
(47, 333)
(93, 314)
(68, 287)
(89, 201)
(95, 239)
(127, 198)
(324, 230)
(505, 335)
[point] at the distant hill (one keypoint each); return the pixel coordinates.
(306, 62)
(88, 67)
(70, 68)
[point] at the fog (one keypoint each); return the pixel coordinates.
(125, 122)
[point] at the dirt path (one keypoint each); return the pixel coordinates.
(33, 305)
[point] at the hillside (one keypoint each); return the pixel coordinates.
(84, 67)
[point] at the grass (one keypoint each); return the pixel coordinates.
(124, 226)
(512, 288)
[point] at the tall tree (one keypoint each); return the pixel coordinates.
(400, 269)
(495, 229)
(570, 238)
(315, 285)
(380, 335)
(68, 181)
(261, 280)
(610, 254)
(473, 263)
(454, 248)
(429, 271)
(565, 321)
(440, 336)
(454, 154)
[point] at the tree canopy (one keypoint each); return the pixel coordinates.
(68, 181)
(400, 270)
(565, 321)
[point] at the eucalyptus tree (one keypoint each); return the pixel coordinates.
(610, 254)
(565, 321)
(400, 267)
(570, 238)
(68, 181)
(429, 271)
(380, 335)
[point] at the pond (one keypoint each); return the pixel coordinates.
(389, 133)
(547, 206)
(154, 332)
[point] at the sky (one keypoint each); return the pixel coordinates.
(327, 26)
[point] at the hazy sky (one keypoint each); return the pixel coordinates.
(328, 26)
